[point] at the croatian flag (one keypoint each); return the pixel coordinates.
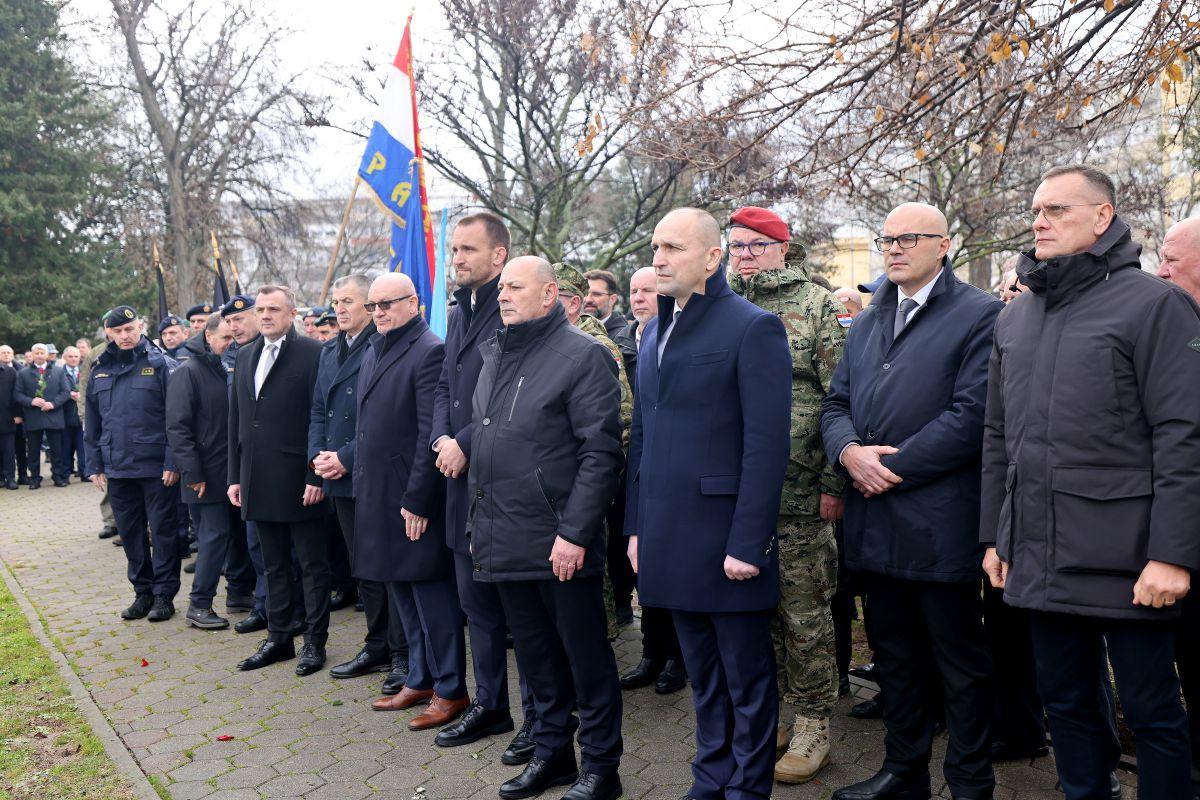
(393, 167)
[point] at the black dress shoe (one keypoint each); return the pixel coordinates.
(60, 483)
(238, 602)
(475, 723)
(866, 672)
(591, 786)
(885, 786)
(1114, 786)
(397, 676)
(268, 653)
(644, 674)
(252, 624)
(35, 483)
(22, 480)
(11, 485)
(362, 664)
(867, 709)
(163, 610)
(1003, 751)
(312, 659)
(342, 598)
(141, 607)
(190, 567)
(672, 678)
(358, 605)
(843, 686)
(624, 617)
(521, 748)
(205, 619)
(539, 775)
(107, 532)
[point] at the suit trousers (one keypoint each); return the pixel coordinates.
(214, 533)
(1019, 720)
(308, 538)
(560, 632)
(8, 457)
(339, 556)
(255, 554)
(73, 459)
(154, 559)
(22, 451)
(916, 626)
(385, 634)
(240, 577)
(1187, 660)
(616, 560)
(432, 622)
(659, 642)
(842, 607)
(731, 661)
(33, 453)
(488, 629)
(1070, 659)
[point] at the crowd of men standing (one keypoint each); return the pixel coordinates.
(1012, 491)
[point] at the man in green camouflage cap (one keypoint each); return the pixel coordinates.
(572, 288)
(812, 492)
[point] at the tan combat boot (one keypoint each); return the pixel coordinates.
(807, 753)
(782, 737)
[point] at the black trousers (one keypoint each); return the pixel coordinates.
(308, 539)
(841, 605)
(240, 575)
(1070, 657)
(72, 452)
(731, 661)
(33, 453)
(153, 559)
(659, 641)
(620, 571)
(488, 628)
(915, 626)
(1187, 660)
(385, 633)
(22, 452)
(8, 457)
(338, 540)
(560, 633)
(1019, 719)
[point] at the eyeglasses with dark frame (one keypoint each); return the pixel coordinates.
(384, 305)
(907, 241)
(1056, 210)
(756, 248)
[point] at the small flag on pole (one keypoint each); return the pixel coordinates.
(220, 287)
(392, 167)
(162, 288)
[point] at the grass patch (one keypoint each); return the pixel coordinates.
(47, 749)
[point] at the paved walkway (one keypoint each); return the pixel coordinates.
(173, 694)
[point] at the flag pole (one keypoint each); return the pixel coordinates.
(337, 244)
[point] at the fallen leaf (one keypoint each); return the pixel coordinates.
(224, 737)
(335, 703)
(145, 663)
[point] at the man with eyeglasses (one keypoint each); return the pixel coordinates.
(904, 418)
(759, 244)
(1091, 484)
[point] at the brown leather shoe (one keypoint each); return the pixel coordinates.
(439, 712)
(405, 698)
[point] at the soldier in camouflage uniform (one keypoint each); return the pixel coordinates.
(812, 491)
(572, 288)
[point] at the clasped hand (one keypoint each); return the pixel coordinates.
(869, 474)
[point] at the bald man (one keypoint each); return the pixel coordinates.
(707, 460)
(904, 419)
(643, 300)
(1179, 256)
(545, 463)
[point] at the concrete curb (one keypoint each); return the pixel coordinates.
(126, 765)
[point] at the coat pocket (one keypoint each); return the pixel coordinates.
(1101, 519)
(719, 484)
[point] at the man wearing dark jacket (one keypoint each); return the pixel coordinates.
(73, 455)
(41, 391)
(198, 433)
(10, 413)
(331, 448)
(271, 481)
(1092, 479)
(125, 433)
(904, 418)
(479, 248)
(398, 486)
(545, 464)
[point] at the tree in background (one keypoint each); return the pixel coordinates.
(60, 266)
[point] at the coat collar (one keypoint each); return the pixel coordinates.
(1059, 279)
(512, 338)
(288, 344)
(886, 299)
(391, 346)
(487, 305)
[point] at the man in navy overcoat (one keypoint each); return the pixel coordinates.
(706, 466)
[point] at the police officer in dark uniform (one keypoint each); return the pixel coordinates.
(126, 440)
(173, 334)
(197, 316)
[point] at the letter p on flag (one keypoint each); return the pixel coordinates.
(378, 162)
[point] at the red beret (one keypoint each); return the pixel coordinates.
(763, 220)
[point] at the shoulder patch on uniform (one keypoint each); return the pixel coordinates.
(147, 370)
(1195, 344)
(101, 375)
(844, 320)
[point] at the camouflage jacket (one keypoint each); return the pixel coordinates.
(810, 315)
(595, 328)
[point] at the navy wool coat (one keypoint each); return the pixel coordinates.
(394, 466)
(924, 393)
(708, 452)
(57, 390)
(335, 406)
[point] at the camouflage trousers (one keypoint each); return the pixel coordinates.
(803, 627)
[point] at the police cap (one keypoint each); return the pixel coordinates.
(121, 315)
(237, 304)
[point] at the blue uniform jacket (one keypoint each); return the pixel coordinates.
(708, 453)
(924, 393)
(125, 434)
(335, 407)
